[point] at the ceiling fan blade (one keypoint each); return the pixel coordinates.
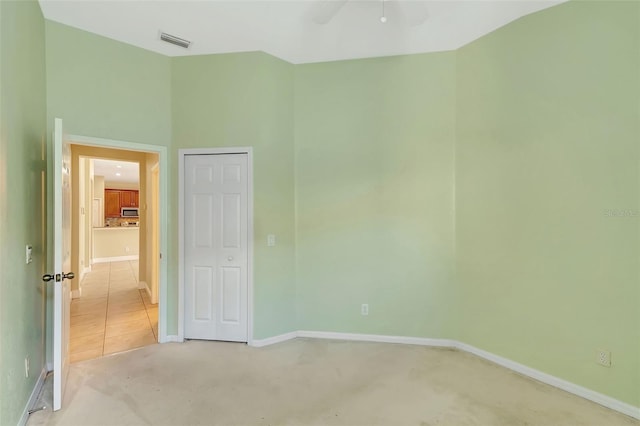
(414, 12)
(323, 11)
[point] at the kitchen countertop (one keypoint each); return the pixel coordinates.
(116, 227)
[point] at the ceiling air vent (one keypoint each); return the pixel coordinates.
(175, 40)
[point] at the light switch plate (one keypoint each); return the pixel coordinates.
(271, 240)
(29, 254)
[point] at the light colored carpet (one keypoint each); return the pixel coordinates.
(310, 382)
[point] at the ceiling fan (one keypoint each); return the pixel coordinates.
(412, 12)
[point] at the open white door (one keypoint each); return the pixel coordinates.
(62, 261)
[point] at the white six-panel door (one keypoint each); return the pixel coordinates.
(216, 247)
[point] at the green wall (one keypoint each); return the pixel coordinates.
(22, 166)
(374, 194)
(107, 89)
(547, 141)
(461, 195)
(246, 99)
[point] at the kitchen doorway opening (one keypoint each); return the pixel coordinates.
(118, 296)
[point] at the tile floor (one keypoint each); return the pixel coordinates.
(112, 315)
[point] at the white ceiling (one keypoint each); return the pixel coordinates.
(289, 29)
(128, 171)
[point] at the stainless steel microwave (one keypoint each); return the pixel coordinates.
(129, 212)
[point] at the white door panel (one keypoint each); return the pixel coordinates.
(231, 295)
(202, 293)
(216, 247)
(231, 227)
(61, 261)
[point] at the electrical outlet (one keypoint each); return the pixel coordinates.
(603, 357)
(27, 365)
(364, 309)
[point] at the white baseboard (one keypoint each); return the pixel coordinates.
(258, 343)
(171, 338)
(557, 382)
(83, 272)
(33, 398)
(554, 381)
(142, 285)
(378, 338)
(113, 259)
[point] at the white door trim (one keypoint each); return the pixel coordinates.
(163, 296)
(212, 151)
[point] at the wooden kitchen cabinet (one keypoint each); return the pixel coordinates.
(115, 199)
(129, 198)
(111, 203)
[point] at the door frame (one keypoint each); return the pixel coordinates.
(155, 231)
(182, 153)
(163, 295)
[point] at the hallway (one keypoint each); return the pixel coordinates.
(112, 315)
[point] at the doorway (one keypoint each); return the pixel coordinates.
(111, 310)
(216, 244)
(121, 281)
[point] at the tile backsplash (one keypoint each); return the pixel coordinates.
(121, 221)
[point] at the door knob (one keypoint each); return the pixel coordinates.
(58, 277)
(230, 258)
